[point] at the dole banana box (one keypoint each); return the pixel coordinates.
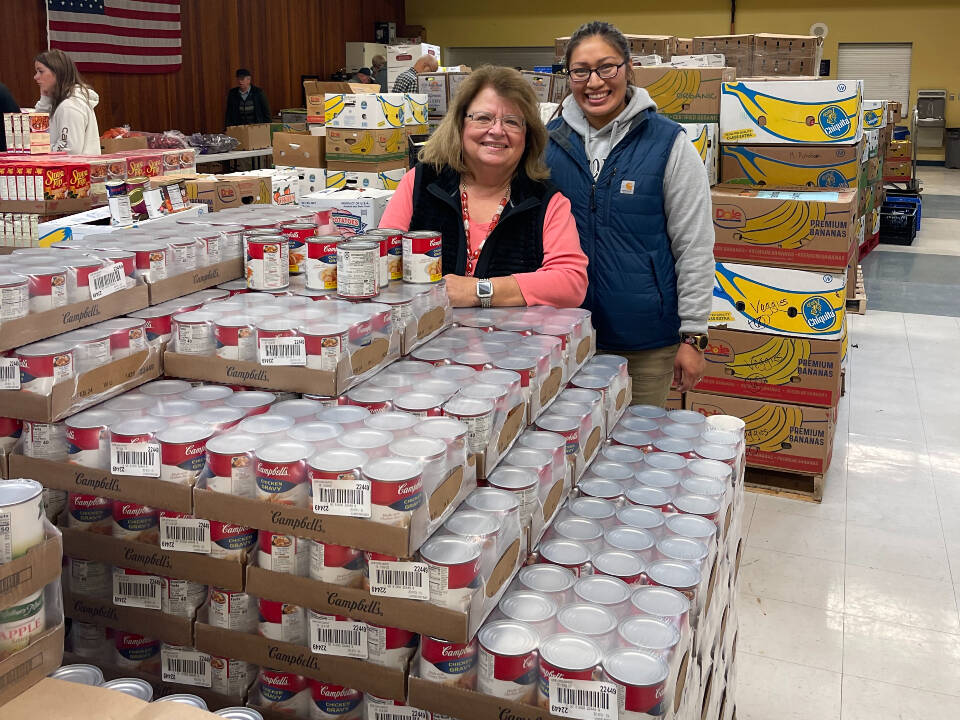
(354, 180)
(415, 109)
(791, 167)
(874, 114)
(794, 438)
(704, 139)
(812, 230)
(687, 95)
(365, 111)
(761, 299)
(801, 371)
(349, 145)
(818, 112)
(353, 212)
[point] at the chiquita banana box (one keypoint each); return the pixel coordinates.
(797, 303)
(415, 110)
(380, 180)
(704, 139)
(803, 371)
(790, 167)
(814, 230)
(874, 114)
(819, 112)
(778, 436)
(364, 111)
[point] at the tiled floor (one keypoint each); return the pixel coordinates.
(849, 608)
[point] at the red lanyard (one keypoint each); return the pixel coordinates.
(473, 256)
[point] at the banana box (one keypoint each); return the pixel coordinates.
(415, 109)
(897, 170)
(763, 299)
(348, 145)
(704, 139)
(818, 112)
(354, 180)
(540, 82)
(687, 95)
(791, 229)
(353, 212)
(899, 150)
(363, 111)
(874, 114)
(794, 438)
(801, 371)
(791, 167)
(440, 89)
(873, 142)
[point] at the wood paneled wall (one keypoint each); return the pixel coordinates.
(278, 40)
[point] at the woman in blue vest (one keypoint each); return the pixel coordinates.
(641, 198)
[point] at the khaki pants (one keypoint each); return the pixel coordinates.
(652, 374)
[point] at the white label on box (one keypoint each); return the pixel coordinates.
(185, 535)
(139, 459)
(6, 538)
(107, 280)
(583, 699)
(184, 666)
(345, 638)
(120, 211)
(349, 498)
(9, 373)
(137, 591)
(400, 579)
(398, 712)
(283, 351)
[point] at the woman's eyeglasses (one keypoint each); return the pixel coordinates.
(486, 120)
(604, 72)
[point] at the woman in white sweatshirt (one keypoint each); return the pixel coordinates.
(70, 102)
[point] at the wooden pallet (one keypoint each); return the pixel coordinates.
(783, 484)
(858, 303)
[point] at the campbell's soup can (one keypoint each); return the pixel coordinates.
(421, 256)
(335, 564)
(14, 296)
(285, 693)
(297, 234)
(507, 660)
(394, 250)
(10, 431)
(88, 438)
(181, 598)
(137, 652)
(235, 337)
(44, 440)
(90, 512)
(88, 578)
(396, 489)
(321, 267)
(230, 677)
(454, 570)
(229, 541)
(91, 641)
(232, 464)
(268, 262)
(334, 702)
(183, 452)
(281, 473)
(565, 657)
(284, 553)
(44, 364)
(21, 622)
(358, 269)
(282, 621)
(232, 610)
(132, 521)
(390, 647)
(641, 682)
(446, 662)
(48, 287)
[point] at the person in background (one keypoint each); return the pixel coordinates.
(246, 103)
(364, 75)
(379, 65)
(508, 235)
(70, 102)
(7, 105)
(641, 198)
(406, 81)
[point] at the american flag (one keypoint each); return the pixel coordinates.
(122, 36)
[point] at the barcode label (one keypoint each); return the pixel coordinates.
(400, 579)
(583, 699)
(107, 280)
(6, 538)
(393, 712)
(283, 351)
(139, 591)
(345, 638)
(9, 373)
(140, 459)
(185, 535)
(184, 666)
(350, 498)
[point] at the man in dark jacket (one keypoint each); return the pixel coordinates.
(246, 103)
(7, 105)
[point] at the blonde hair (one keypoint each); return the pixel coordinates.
(445, 146)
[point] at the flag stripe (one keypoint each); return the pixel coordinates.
(128, 69)
(120, 59)
(147, 5)
(84, 19)
(107, 30)
(103, 48)
(141, 15)
(93, 37)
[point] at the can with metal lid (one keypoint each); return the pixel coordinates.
(283, 692)
(185, 699)
(282, 621)
(298, 234)
(334, 702)
(281, 473)
(478, 415)
(335, 564)
(235, 337)
(231, 463)
(374, 443)
(623, 454)
(134, 687)
(679, 446)
(567, 657)
(47, 285)
(522, 482)
(554, 581)
(238, 713)
(454, 570)
(90, 512)
(396, 489)
(127, 336)
(283, 553)
(535, 609)
(620, 564)
(691, 526)
(641, 441)
(21, 517)
(87, 578)
(183, 452)
(321, 264)
(421, 256)
(80, 674)
(570, 554)
(253, 402)
(446, 662)
(44, 440)
(430, 453)
(400, 424)
(232, 610)
(181, 598)
(358, 269)
(680, 576)
(193, 332)
(565, 425)
(592, 621)
(582, 530)
(641, 681)
(603, 511)
(91, 347)
(44, 364)
(394, 240)
(703, 505)
(14, 296)
(507, 660)
(651, 497)
(267, 262)
(609, 490)
(604, 591)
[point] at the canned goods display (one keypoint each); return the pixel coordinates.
(447, 663)
(421, 257)
(134, 687)
(283, 692)
(232, 610)
(358, 269)
(507, 660)
(569, 657)
(21, 517)
(321, 264)
(282, 621)
(79, 673)
(267, 262)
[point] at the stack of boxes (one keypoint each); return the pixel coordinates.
(765, 54)
(401, 57)
(440, 88)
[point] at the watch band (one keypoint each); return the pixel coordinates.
(486, 294)
(697, 340)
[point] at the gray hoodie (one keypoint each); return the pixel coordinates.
(73, 126)
(686, 204)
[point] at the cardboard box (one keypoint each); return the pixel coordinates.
(791, 167)
(704, 137)
(663, 45)
(363, 111)
(299, 150)
(899, 150)
(793, 438)
(874, 114)
(27, 667)
(37, 326)
(797, 303)
(897, 170)
(199, 279)
(112, 145)
(737, 50)
(402, 56)
(220, 193)
(352, 211)
(818, 112)
(541, 84)
(674, 400)
(349, 145)
(440, 88)
(894, 112)
(103, 613)
(251, 137)
(687, 95)
(560, 46)
(772, 367)
(227, 574)
(33, 571)
(74, 394)
(387, 179)
(684, 46)
(315, 91)
(415, 110)
(790, 229)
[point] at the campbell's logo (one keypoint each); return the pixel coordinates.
(135, 641)
(89, 502)
(335, 691)
(134, 510)
(528, 662)
(278, 679)
(233, 529)
(273, 470)
(728, 216)
(194, 450)
(548, 672)
(456, 652)
(409, 488)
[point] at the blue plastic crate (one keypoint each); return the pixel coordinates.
(901, 133)
(911, 200)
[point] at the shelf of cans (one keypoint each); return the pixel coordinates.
(31, 611)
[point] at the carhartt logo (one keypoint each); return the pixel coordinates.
(627, 187)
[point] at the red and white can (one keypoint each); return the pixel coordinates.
(282, 621)
(44, 364)
(90, 512)
(232, 610)
(604, 591)
(652, 497)
(267, 262)
(335, 564)
(230, 677)
(14, 296)
(181, 598)
(421, 404)
(334, 702)
(193, 332)
(284, 692)
(641, 680)
(127, 336)
(235, 337)
(358, 269)
(507, 660)
(454, 570)
(396, 489)
(326, 344)
(297, 235)
(446, 662)
(570, 554)
(651, 635)
(565, 425)
(620, 564)
(153, 259)
(477, 414)
(44, 440)
(281, 473)
(394, 250)
(229, 541)
(375, 443)
(702, 505)
(184, 252)
(682, 577)
(88, 438)
(48, 287)
(321, 266)
(284, 553)
(390, 647)
(231, 463)
(422, 262)
(10, 431)
(533, 609)
(252, 402)
(183, 452)
(430, 453)
(157, 322)
(132, 521)
(88, 578)
(374, 398)
(663, 603)
(589, 620)
(566, 657)
(136, 652)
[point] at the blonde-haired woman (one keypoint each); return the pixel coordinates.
(509, 237)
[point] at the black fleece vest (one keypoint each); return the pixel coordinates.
(514, 246)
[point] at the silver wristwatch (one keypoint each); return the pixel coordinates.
(485, 292)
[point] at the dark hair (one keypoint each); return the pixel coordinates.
(242, 73)
(68, 77)
(607, 32)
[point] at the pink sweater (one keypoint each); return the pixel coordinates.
(562, 279)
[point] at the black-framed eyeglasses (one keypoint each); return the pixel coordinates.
(483, 119)
(604, 72)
